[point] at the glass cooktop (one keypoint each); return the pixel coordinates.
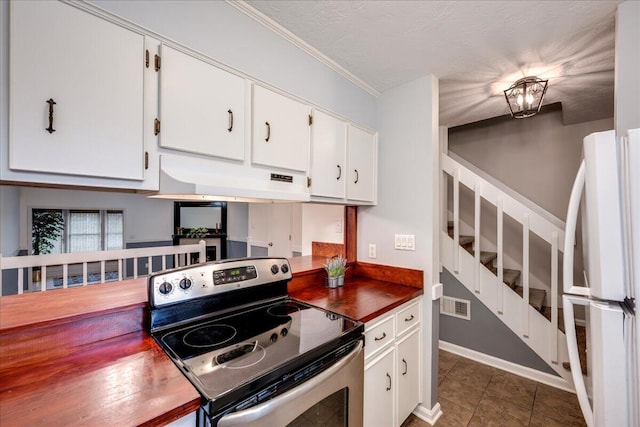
(223, 353)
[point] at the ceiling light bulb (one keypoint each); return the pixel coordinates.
(519, 100)
(529, 98)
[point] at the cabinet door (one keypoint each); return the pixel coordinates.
(379, 389)
(93, 71)
(201, 107)
(328, 143)
(280, 131)
(408, 375)
(361, 160)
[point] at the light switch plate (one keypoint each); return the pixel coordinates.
(405, 242)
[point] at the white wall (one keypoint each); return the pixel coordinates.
(9, 212)
(144, 219)
(408, 197)
(222, 32)
(627, 83)
(515, 152)
(321, 223)
(237, 221)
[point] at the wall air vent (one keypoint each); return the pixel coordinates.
(456, 307)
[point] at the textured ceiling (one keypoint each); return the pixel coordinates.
(475, 48)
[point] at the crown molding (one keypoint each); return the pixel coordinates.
(272, 25)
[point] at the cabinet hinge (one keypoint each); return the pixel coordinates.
(310, 119)
(146, 58)
(156, 126)
(146, 160)
(157, 63)
(308, 181)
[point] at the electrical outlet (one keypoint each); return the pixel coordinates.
(372, 250)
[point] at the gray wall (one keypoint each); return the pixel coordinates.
(408, 171)
(227, 35)
(484, 333)
(515, 152)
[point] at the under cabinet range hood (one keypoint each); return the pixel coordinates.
(187, 178)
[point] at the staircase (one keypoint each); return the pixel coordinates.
(506, 291)
(509, 277)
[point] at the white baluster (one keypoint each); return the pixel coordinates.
(456, 220)
(554, 297)
(500, 275)
(476, 243)
(525, 275)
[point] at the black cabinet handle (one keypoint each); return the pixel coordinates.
(408, 319)
(230, 128)
(389, 378)
(51, 103)
(268, 131)
(406, 367)
(384, 335)
(339, 172)
(357, 176)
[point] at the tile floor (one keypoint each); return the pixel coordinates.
(473, 394)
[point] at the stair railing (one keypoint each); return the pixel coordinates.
(180, 253)
(531, 220)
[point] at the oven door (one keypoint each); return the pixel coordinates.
(334, 395)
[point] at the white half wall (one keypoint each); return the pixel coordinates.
(237, 221)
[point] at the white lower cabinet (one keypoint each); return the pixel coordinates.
(379, 390)
(408, 377)
(393, 366)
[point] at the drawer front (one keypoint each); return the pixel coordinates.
(408, 317)
(379, 336)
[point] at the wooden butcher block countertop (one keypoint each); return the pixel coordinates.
(82, 357)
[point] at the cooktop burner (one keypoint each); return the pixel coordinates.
(284, 309)
(210, 335)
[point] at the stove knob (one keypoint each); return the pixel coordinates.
(285, 268)
(165, 288)
(185, 283)
(273, 338)
(275, 269)
(284, 332)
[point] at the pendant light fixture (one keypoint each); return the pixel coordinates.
(525, 96)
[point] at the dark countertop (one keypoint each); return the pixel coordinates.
(82, 357)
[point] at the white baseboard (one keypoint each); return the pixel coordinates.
(523, 371)
(428, 415)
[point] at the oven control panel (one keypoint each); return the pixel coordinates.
(206, 279)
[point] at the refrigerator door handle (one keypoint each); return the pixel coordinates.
(574, 359)
(570, 233)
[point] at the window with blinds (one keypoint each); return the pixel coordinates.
(82, 231)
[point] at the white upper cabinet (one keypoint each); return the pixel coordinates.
(280, 131)
(361, 164)
(328, 155)
(202, 108)
(76, 93)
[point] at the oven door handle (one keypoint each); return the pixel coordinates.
(255, 416)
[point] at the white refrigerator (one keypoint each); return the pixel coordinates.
(606, 192)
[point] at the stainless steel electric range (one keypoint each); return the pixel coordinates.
(256, 356)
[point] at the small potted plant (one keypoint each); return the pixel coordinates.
(335, 268)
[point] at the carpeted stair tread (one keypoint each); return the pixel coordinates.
(536, 296)
(510, 277)
(486, 257)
